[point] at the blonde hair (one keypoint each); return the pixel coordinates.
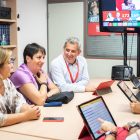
(4, 56)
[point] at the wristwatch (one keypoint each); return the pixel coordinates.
(133, 124)
(110, 133)
(44, 84)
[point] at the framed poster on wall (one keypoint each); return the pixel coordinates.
(93, 18)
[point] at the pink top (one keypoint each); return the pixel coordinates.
(22, 76)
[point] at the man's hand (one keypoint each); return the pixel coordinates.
(135, 106)
(127, 125)
(106, 126)
(90, 88)
(132, 130)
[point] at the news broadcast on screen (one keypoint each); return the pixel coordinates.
(120, 13)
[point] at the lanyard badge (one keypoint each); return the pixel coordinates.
(70, 72)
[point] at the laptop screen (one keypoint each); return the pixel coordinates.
(92, 110)
(126, 90)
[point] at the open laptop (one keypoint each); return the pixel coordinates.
(128, 93)
(90, 111)
(135, 81)
(103, 88)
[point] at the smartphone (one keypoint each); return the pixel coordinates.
(53, 119)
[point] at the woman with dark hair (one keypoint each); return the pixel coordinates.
(128, 5)
(93, 3)
(30, 79)
(94, 17)
(13, 107)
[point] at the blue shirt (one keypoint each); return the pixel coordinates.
(117, 19)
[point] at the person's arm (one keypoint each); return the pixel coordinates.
(134, 136)
(135, 106)
(23, 108)
(132, 132)
(32, 93)
(110, 137)
(22, 111)
(53, 89)
(57, 75)
(107, 126)
(31, 112)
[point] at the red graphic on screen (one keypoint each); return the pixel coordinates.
(110, 24)
(99, 132)
(119, 4)
(94, 29)
(116, 15)
(126, 5)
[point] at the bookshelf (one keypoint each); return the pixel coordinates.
(13, 30)
(7, 20)
(9, 46)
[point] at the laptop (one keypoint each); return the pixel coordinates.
(90, 111)
(103, 88)
(135, 81)
(127, 92)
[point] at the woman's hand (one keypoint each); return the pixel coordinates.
(43, 77)
(32, 112)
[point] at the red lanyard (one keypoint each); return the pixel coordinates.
(70, 72)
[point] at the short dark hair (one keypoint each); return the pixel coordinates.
(32, 49)
(125, 1)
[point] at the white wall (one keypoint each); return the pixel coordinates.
(33, 25)
(65, 20)
(103, 67)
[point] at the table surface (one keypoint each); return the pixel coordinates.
(15, 136)
(70, 129)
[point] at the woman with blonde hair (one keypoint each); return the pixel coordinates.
(13, 107)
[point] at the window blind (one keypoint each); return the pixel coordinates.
(110, 46)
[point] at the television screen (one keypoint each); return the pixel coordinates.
(119, 16)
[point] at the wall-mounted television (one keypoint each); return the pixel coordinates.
(119, 16)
